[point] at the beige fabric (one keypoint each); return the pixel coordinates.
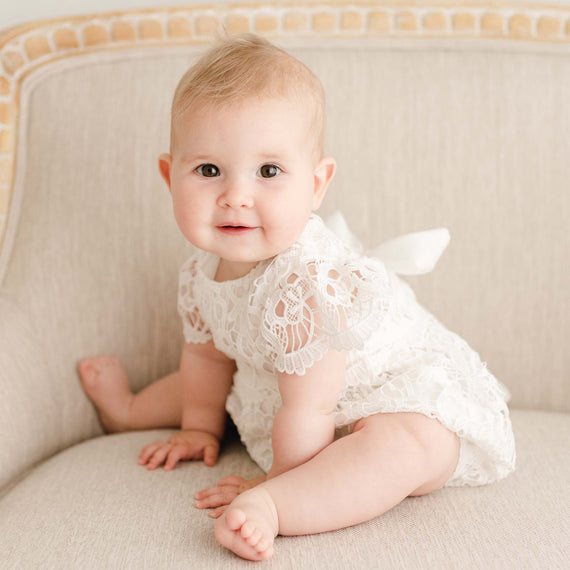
(29, 425)
(93, 507)
(96, 255)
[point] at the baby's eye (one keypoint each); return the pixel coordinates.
(269, 171)
(208, 170)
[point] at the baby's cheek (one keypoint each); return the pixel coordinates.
(287, 234)
(188, 225)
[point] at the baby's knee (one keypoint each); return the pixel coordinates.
(441, 454)
(429, 448)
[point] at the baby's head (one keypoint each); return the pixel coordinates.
(244, 67)
(245, 168)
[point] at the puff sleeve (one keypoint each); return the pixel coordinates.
(320, 304)
(194, 328)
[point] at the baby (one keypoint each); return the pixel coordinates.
(347, 393)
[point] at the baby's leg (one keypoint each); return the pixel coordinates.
(387, 458)
(106, 383)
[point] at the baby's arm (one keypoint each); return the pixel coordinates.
(206, 375)
(304, 425)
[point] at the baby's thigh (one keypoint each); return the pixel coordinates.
(435, 448)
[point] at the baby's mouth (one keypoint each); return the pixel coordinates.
(234, 229)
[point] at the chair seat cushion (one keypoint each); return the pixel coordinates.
(92, 506)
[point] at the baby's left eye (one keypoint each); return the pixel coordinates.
(269, 171)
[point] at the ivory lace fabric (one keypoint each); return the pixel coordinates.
(288, 311)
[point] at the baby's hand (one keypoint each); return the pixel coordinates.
(224, 493)
(185, 445)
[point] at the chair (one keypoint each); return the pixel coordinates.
(441, 113)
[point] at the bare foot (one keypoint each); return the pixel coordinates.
(107, 385)
(249, 525)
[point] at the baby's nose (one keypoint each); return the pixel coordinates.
(236, 194)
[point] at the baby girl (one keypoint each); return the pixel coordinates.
(346, 392)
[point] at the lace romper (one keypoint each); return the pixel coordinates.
(287, 311)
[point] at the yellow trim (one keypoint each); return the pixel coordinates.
(25, 48)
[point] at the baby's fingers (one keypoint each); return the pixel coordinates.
(210, 491)
(217, 513)
(219, 499)
(159, 456)
(148, 451)
(234, 480)
(211, 454)
(176, 454)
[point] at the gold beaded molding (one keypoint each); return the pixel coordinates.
(25, 48)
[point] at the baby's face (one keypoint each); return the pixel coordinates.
(243, 179)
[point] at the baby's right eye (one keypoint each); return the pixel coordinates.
(208, 170)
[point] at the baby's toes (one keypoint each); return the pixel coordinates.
(88, 368)
(263, 546)
(253, 539)
(90, 373)
(235, 519)
(247, 529)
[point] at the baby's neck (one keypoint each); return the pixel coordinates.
(230, 270)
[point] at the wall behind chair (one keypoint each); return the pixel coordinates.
(14, 12)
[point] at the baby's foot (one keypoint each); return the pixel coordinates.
(106, 383)
(249, 525)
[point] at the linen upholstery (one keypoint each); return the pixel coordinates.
(28, 430)
(92, 506)
(88, 277)
(431, 126)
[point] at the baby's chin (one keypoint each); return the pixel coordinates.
(243, 253)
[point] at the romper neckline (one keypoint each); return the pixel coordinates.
(208, 265)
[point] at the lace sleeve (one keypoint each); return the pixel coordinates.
(324, 305)
(194, 328)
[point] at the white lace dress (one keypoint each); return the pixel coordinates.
(285, 314)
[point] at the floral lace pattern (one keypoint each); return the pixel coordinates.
(288, 311)
(314, 304)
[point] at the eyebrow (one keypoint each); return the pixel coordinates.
(192, 158)
(280, 155)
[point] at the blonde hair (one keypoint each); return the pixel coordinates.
(239, 67)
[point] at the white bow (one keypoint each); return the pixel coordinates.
(410, 254)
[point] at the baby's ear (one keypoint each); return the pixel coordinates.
(324, 173)
(164, 166)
